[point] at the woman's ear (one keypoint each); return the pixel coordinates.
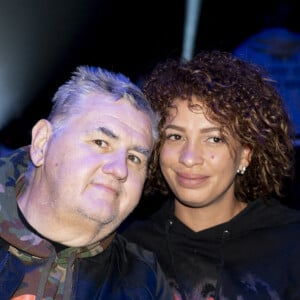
(246, 157)
(40, 135)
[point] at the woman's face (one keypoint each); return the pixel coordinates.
(196, 160)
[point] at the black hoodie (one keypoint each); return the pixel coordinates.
(256, 255)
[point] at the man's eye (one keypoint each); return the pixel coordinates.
(135, 159)
(101, 143)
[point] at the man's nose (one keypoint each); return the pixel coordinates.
(116, 164)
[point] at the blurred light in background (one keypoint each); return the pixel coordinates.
(192, 14)
(35, 37)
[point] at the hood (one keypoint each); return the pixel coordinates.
(257, 215)
(12, 229)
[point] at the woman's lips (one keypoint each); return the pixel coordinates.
(191, 180)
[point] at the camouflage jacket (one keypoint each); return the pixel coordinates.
(31, 266)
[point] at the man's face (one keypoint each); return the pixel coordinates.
(94, 168)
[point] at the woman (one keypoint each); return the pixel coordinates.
(224, 154)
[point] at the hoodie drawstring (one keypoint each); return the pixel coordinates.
(225, 236)
(44, 277)
(178, 287)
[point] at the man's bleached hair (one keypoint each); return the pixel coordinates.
(95, 80)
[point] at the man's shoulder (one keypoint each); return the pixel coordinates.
(152, 224)
(134, 251)
(16, 161)
(131, 272)
(138, 265)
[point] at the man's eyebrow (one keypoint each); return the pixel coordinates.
(107, 132)
(142, 150)
(111, 134)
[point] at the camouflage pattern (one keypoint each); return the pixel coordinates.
(48, 274)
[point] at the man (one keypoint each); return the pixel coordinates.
(62, 198)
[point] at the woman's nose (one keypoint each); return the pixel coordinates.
(191, 154)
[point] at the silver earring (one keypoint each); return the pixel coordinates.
(242, 170)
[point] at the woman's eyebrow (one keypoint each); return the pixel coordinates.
(202, 130)
(176, 127)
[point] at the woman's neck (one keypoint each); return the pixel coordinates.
(200, 218)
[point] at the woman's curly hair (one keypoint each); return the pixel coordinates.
(241, 98)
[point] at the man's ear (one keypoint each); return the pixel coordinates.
(40, 135)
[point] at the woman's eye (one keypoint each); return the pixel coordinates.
(100, 143)
(215, 139)
(173, 137)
